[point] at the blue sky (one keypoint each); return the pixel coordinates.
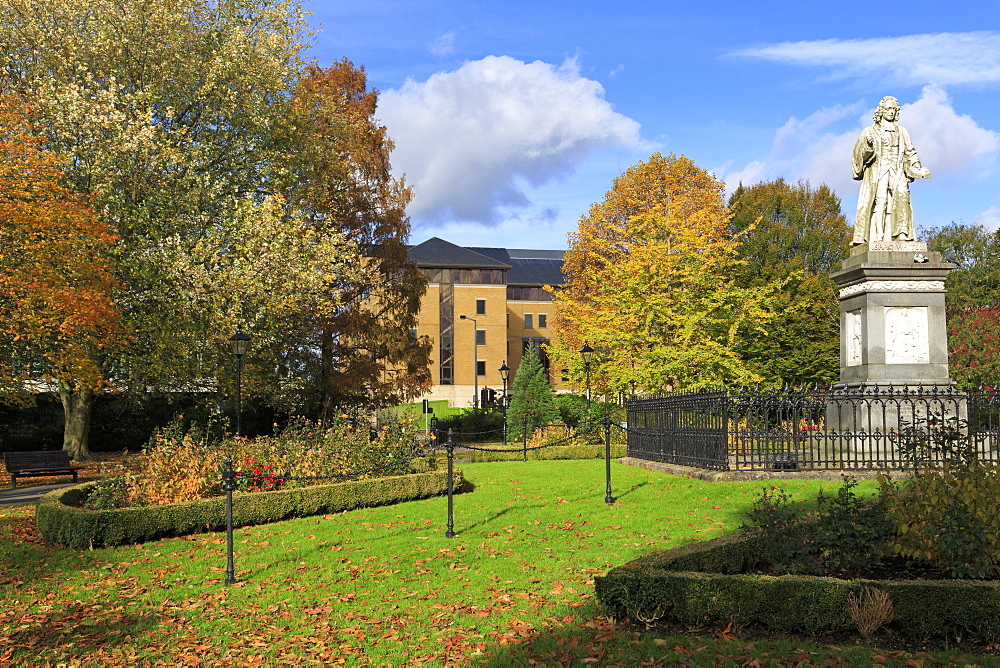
(511, 118)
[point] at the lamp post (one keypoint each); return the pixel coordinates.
(239, 344)
(586, 353)
(475, 360)
(504, 375)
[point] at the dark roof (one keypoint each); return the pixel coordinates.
(533, 254)
(440, 253)
(525, 267)
(528, 267)
(535, 272)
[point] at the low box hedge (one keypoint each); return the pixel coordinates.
(575, 451)
(61, 521)
(708, 582)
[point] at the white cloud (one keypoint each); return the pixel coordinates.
(950, 144)
(953, 146)
(989, 219)
(443, 45)
(469, 141)
(939, 58)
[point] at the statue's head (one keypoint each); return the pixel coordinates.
(886, 102)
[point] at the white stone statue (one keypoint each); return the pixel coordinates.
(886, 163)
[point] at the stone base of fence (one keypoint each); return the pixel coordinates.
(732, 476)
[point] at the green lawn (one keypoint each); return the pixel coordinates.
(385, 587)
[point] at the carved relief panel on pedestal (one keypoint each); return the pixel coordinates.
(906, 335)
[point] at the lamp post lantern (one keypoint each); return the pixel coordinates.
(586, 353)
(239, 343)
(504, 375)
(475, 360)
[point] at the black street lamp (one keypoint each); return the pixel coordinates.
(586, 353)
(504, 375)
(239, 343)
(475, 360)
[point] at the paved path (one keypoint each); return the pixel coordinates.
(20, 495)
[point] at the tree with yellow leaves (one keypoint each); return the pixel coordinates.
(649, 285)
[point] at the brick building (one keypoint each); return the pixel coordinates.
(507, 310)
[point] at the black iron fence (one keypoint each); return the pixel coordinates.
(839, 428)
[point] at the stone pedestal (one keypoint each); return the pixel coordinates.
(893, 346)
(892, 320)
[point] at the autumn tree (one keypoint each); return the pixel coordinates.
(345, 184)
(972, 301)
(792, 235)
(56, 311)
(179, 117)
(650, 280)
(532, 401)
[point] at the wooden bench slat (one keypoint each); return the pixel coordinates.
(44, 462)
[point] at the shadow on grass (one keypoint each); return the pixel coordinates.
(78, 629)
(622, 494)
(25, 557)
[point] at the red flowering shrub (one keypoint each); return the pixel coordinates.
(257, 477)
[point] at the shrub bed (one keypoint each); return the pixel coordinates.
(702, 583)
(61, 521)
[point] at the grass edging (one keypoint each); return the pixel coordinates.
(703, 583)
(60, 522)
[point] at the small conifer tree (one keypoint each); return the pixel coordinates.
(532, 397)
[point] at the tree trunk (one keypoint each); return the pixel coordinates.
(326, 375)
(78, 405)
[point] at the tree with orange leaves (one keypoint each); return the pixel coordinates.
(56, 309)
(649, 285)
(344, 183)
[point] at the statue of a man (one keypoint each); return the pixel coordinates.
(886, 163)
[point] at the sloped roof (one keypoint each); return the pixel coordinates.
(528, 267)
(535, 272)
(525, 266)
(437, 252)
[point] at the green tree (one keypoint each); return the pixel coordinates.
(794, 235)
(649, 280)
(179, 117)
(972, 301)
(532, 397)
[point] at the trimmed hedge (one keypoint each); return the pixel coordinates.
(59, 521)
(578, 451)
(698, 584)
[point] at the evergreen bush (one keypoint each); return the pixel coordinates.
(532, 402)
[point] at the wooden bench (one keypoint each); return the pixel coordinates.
(40, 463)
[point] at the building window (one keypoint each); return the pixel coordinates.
(480, 307)
(480, 367)
(480, 337)
(517, 293)
(467, 276)
(542, 320)
(527, 321)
